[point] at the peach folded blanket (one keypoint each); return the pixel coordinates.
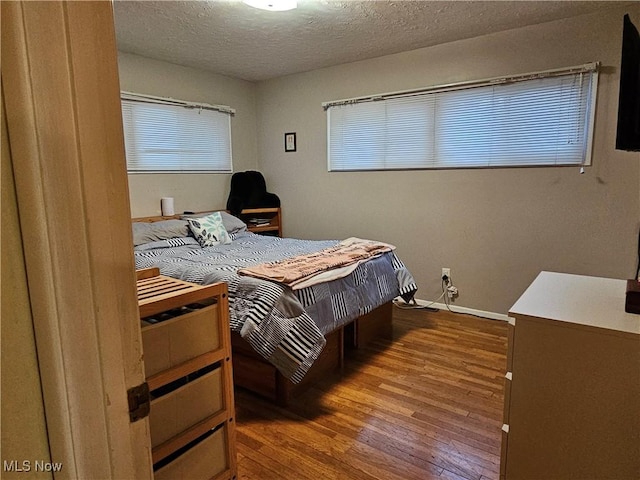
(327, 264)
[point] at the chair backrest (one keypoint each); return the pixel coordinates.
(249, 190)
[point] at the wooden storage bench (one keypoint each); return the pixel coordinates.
(187, 356)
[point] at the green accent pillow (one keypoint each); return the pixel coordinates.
(209, 230)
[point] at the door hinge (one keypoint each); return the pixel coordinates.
(139, 402)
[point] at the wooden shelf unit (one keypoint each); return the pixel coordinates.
(273, 215)
(187, 356)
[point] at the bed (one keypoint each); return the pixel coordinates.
(282, 337)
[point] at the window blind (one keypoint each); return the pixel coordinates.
(538, 119)
(165, 135)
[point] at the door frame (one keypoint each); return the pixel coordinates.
(62, 98)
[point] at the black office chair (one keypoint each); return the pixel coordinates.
(249, 190)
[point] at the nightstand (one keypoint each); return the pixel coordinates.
(264, 221)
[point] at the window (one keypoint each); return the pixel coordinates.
(540, 119)
(166, 135)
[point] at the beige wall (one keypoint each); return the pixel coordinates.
(495, 228)
(190, 191)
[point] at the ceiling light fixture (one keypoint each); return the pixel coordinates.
(272, 5)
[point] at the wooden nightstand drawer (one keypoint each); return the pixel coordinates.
(174, 341)
(182, 408)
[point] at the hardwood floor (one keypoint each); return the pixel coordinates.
(426, 405)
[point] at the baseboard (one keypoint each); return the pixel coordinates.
(470, 311)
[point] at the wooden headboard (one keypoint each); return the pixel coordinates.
(171, 217)
(155, 219)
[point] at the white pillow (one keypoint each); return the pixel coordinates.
(209, 230)
(146, 232)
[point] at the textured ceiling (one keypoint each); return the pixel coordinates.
(233, 39)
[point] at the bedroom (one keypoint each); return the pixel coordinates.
(496, 229)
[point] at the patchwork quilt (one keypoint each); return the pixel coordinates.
(284, 326)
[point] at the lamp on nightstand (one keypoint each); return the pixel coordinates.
(166, 206)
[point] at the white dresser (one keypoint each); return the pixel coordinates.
(572, 388)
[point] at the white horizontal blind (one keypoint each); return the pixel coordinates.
(161, 137)
(540, 121)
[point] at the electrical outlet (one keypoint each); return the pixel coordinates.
(447, 272)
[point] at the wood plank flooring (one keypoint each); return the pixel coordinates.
(427, 404)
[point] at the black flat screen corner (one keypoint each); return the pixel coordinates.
(628, 130)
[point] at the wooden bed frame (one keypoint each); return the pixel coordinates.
(256, 374)
(253, 372)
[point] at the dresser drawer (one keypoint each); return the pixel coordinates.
(507, 397)
(503, 451)
(182, 408)
(511, 330)
(176, 340)
(202, 462)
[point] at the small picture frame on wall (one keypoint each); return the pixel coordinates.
(290, 142)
